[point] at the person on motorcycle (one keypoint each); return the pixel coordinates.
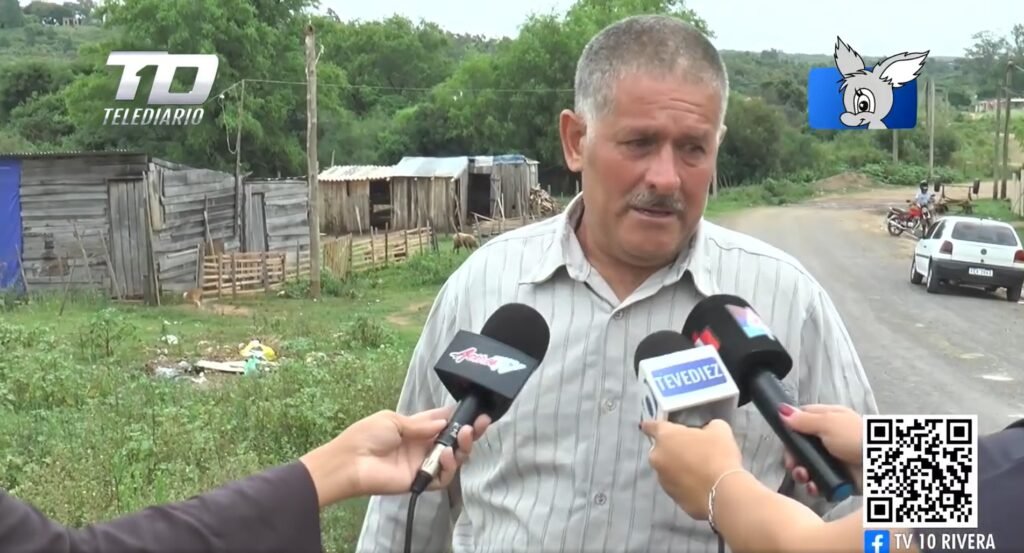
(924, 196)
(923, 203)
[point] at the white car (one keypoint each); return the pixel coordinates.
(970, 251)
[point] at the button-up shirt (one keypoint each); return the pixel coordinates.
(566, 469)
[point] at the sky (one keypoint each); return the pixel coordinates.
(872, 27)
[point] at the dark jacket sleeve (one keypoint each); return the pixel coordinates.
(1000, 495)
(275, 511)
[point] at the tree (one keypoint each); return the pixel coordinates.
(11, 15)
(261, 39)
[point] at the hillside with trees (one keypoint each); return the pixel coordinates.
(397, 87)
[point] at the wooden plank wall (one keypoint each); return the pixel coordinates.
(514, 187)
(403, 212)
(442, 193)
(179, 226)
(417, 206)
(339, 203)
(57, 195)
(287, 204)
(129, 240)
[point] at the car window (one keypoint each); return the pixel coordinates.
(985, 234)
(936, 230)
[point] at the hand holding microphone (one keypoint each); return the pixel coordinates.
(841, 431)
(484, 373)
(757, 362)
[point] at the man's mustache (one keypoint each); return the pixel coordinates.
(645, 199)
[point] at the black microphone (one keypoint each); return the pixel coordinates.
(683, 384)
(758, 361)
(485, 372)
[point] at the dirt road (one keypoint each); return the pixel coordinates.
(955, 353)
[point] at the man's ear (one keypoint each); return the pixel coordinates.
(573, 132)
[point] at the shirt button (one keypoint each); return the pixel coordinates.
(617, 315)
(600, 499)
(609, 405)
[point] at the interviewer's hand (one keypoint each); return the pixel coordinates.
(689, 460)
(380, 454)
(840, 431)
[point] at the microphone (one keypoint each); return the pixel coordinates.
(683, 384)
(758, 361)
(485, 372)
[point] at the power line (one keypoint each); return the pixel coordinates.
(397, 88)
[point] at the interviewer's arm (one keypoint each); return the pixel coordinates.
(755, 519)
(277, 510)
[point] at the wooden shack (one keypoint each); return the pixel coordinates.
(499, 186)
(276, 215)
(429, 191)
(121, 221)
(354, 197)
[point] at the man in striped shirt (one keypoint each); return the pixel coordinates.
(566, 469)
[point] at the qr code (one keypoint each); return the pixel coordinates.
(920, 471)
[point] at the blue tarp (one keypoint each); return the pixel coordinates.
(509, 159)
(10, 224)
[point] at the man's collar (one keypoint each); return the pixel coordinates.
(565, 251)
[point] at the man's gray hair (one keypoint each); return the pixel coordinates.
(661, 45)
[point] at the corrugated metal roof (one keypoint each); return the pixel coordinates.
(71, 153)
(504, 159)
(430, 166)
(341, 173)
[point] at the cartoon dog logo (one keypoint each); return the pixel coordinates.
(868, 93)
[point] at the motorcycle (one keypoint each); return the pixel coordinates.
(914, 220)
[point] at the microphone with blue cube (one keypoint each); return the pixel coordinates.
(758, 362)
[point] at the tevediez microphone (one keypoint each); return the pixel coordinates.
(758, 362)
(485, 372)
(683, 384)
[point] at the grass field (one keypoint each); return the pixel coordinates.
(87, 433)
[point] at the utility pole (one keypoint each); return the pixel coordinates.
(239, 195)
(313, 168)
(895, 146)
(931, 130)
(996, 169)
(1006, 129)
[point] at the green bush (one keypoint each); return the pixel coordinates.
(907, 174)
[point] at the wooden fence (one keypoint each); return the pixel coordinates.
(235, 274)
(382, 249)
(485, 227)
(243, 273)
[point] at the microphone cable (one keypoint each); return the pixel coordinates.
(408, 521)
(419, 485)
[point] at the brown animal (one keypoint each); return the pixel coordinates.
(463, 240)
(194, 296)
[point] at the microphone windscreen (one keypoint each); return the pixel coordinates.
(730, 325)
(519, 326)
(662, 342)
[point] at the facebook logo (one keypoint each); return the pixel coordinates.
(876, 541)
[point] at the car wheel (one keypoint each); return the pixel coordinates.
(933, 281)
(915, 277)
(1013, 294)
